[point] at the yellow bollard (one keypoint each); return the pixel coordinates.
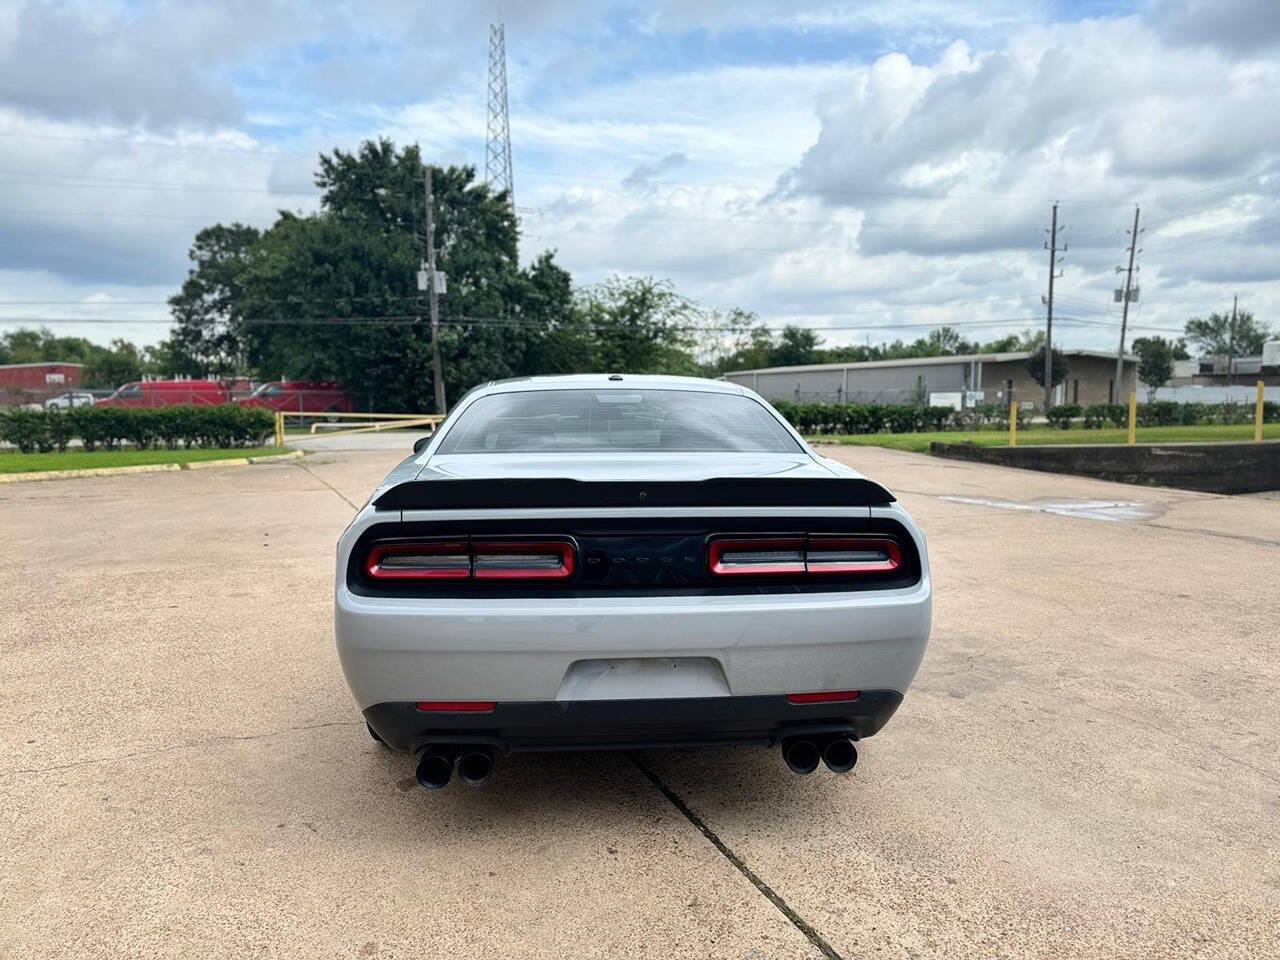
(1133, 417)
(1013, 423)
(1257, 416)
(279, 429)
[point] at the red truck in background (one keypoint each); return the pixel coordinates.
(301, 396)
(165, 393)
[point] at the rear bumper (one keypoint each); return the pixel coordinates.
(632, 724)
(509, 650)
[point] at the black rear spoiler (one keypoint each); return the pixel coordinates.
(561, 492)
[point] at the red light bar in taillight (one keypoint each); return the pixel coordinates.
(430, 560)
(835, 554)
(757, 556)
(802, 555)
(470, 560)
(828, 696)
(522, 559)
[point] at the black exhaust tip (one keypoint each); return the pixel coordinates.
(802, 756)
(839, 754)
(475, 765)
(435, 767)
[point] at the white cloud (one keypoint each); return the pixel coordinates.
(844, 164)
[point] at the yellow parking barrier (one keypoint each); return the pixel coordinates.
(387, 421)
(1013, 423)
(279, 429)
(1257, 416)
(1133, 417)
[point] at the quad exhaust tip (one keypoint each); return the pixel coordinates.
(437, 762)
(803, 755)
(475, 765)
(435, 767)
(839, 754)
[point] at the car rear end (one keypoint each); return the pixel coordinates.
(550, 602)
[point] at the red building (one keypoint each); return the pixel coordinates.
(36, 382)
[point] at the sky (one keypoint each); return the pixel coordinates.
(869, 169)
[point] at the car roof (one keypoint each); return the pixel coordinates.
(610, 381)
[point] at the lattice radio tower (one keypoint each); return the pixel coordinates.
(497, 154)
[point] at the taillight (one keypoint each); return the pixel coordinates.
(419, 561)
(754, 556)
(470, 560)
(852, 555)
(522, 560)
(814, 554)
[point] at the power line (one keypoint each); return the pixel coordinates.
(516, 322)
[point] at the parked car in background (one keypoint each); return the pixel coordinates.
(300, 396)
(166, 393)
(626, 562)
(74, 398)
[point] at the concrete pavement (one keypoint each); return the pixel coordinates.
(1088, 765)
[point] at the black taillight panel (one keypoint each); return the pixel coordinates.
(645, 555)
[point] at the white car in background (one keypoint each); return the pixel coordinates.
(621, 562)
(74, 398)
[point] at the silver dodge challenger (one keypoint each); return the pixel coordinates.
(626, 562)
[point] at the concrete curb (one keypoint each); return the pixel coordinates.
(35, 475)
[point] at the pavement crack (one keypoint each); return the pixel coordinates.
(770, 894)
(341, 496)
(186, 745)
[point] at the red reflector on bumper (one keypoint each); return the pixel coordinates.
(457, 706)
(825, 697)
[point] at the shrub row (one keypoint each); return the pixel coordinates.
(1163, 413)
(863, 417)
(226, 425)
(820, 418)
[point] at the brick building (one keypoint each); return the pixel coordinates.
(36, 382)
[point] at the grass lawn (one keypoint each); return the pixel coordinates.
(13, 462)
(1027, 436)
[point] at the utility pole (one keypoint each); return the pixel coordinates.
(1052, 246)
(437, 366)
(1127, 295)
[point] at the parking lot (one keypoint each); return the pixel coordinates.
(1087, 766)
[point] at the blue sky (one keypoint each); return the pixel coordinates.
(868, 169)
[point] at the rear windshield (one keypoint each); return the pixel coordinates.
(626, 421)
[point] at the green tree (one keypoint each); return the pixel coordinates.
(333, 295)
(209, 311)
(1155, 360)
(1218, 336)
(1059, 366)
(113, 366)
(796, 345)
(640, 325)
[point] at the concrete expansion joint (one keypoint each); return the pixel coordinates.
(738, 863)
(326, 483)
(188, 745)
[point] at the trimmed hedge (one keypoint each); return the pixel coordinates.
(225, 425)
(825, 418)
(1062, 415)
(811, 418)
